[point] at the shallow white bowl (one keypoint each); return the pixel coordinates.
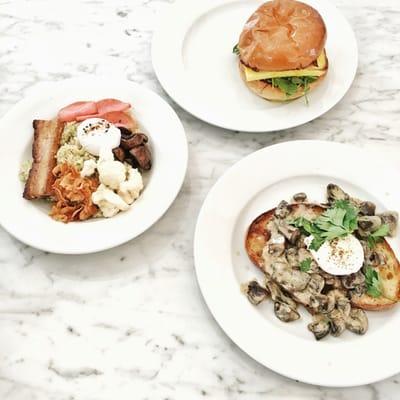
(29, 222)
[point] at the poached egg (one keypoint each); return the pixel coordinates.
(340, 256)
(96, 134)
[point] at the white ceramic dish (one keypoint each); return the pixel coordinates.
(193, 60)
(254, 185)
(28, 220)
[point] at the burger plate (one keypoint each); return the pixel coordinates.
(222, 263)
(193, 60)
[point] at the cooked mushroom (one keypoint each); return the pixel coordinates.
(369, 223)
(292, 256)
(285, 313)
(288, 278)
(353, 280)
(391, 219)
(320, 326)
(254, 292)
(119, 154)
(276, 244)
(367, 208)
(357, 321)
(334, 193)
(316, 283)
(337, 322)
(283, 210)
(300, 197)
(278, 296)
(134, 140)
(290, 232)
(142, 156)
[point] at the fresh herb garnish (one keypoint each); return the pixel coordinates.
(373, 282)
(236, 50)
(290, 85)
(378, 235)
(305, 265)
(338, 221)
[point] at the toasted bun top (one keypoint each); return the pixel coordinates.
(282, 35)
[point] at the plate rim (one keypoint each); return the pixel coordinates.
(216, 314)
(33, 94)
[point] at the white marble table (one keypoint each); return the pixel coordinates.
(130, 323)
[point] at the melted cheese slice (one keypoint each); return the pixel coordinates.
(318, 70)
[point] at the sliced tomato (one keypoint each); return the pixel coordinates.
(121, 119)
(110, 105)
(74, 110)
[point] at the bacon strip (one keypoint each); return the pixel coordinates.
(47, 137)
(72, 111)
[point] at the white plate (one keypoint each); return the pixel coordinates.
(193, 60)
(28, 220)
(254, 185)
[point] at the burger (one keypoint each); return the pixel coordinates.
(282, 50)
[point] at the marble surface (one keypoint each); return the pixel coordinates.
(130, 323)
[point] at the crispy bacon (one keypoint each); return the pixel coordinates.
(47, 137)
(73, 195)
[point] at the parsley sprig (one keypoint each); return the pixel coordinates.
(378, 235)
(305, 265)
(373, 282)
(236, 50)
(335, 222)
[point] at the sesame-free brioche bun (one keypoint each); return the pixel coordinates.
(282, 35)
(269, 92)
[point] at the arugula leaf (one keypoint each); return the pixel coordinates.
(305, 265)
(374, 286)
(335, 222)
(290, 85)
(236, 50)
(378, 235)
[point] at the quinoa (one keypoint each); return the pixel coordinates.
(71, 152)
(24, 170)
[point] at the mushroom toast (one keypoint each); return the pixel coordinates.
(331, 258)
(88, 161)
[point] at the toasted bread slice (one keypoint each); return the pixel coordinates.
(389, 274)
(258, 236)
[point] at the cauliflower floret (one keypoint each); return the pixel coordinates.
(108, 201)
(130, 190)
(89, 168)
(111, 173)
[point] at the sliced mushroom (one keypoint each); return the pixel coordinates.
(254, 292)
(353, 280)
(334, 193)
(357, 321)
(292, 256)
(278, 296)
(337, 322)
(300, 197)
(134, 140)
(119, 154)
(285, 313)
(288, 278)
(141, 156)
(369, 223)
(316, 283)
(320, 326)
(276, 244)
(367, 208)
(283, 210)
(290, 232)
(391, 219)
